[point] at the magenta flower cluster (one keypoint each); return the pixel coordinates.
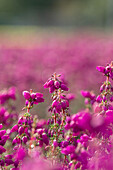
(66, 141)
(32, 98)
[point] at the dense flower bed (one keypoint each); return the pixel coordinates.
(80, 141)
(75, 58)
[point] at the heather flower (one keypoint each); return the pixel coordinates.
(38, 100)
(84, 138)
(55, 103)
(73, 156)
(26, 102)
(97, 121)
(58, 108)
(9, 156)
(108, 69)
(39, 94)
(33, 95)
(8, 161)
(2, 142)
(50, 83)
(46, 85)
(89, 95)
(101, 69)
(68, 119)
(1, 126)
(2, 149)
(70, 96)
(12, 93)
(5, 95)
(67, 126)
(21, 130)
(102, 88)
(109, 116)
(57, 84)
(32, 98)
(14, 141)
(51, 89)
(2, 132)
(70, 149)
(40, 143)
(99, 99)
(64, 144)
(64, 151)
(45, 139)
(14, 128)
(40, 131)
(111, 75)
(5, 137)
(78, 164)
(20, 121)
(104, 98)
(26, 94)
(111, 98)
(86, 94)
(64, 87)
(81, 120)
(63, 105)
(55, 144)
(24, 139)
(2, 163)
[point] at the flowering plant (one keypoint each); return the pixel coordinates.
(65, 141)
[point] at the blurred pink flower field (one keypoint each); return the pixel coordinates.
(27, 61)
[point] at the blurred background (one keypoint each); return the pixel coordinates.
(40, 37)
(76, 13)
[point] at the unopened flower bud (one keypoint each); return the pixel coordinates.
(99, 99)
(51, 89)
(64, 87)
(2, 149)
(101, 69)
(33, 95)
(55, 144)
(50, 83)
(56, 84)
(21, 130)
(40, 131)
(26, 94)
(14, 128)
(24, 139)
(2, 132)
